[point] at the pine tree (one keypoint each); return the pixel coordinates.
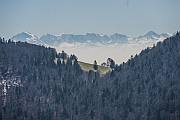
(95, 66)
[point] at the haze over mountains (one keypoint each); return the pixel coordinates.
(91, 46)
(91, 38)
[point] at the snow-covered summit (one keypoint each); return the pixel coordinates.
(151, 34)
(88, 38)
(25, 36)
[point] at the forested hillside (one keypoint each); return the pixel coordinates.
(37, 83)
(147, 87)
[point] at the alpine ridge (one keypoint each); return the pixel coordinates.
(88, 38)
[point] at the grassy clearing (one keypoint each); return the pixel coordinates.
(88, 66)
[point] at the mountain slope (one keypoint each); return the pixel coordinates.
(147, 87)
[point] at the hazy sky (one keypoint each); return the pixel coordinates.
(131, 17)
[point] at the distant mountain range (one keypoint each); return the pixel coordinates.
(91, 38)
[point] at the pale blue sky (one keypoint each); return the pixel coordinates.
(81, 16)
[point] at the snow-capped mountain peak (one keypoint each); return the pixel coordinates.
(151, 34)
(88, 38)
(25, 37)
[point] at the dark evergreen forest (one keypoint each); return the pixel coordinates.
(37, 83)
